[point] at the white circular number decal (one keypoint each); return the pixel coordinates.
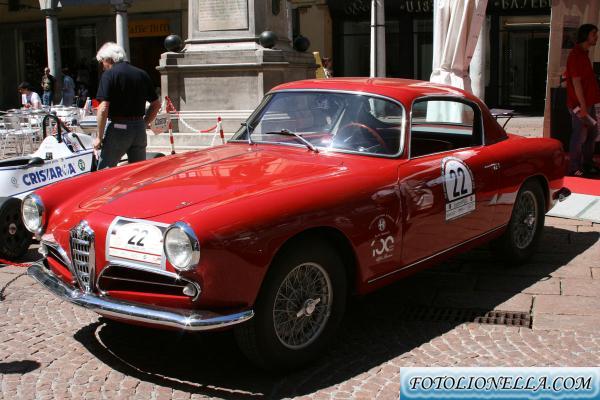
(458, 181)
(458, 188)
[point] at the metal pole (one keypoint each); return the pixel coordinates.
(381, 50)
(377, 61)
(373, 60)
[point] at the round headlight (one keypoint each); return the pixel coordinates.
(32, 211)
(181, 246)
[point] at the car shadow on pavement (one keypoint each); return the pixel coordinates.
(375, 331)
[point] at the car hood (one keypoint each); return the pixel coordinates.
(210, 177)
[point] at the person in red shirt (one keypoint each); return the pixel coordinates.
(582, 95)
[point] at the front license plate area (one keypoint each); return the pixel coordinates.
(137, 242)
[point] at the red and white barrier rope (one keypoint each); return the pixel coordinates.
(14, 264)
(168, 106)
(218, 130)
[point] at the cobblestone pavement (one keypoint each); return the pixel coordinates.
(50, 349)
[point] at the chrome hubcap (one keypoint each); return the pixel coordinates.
(302, 306)
(526, 210)
(308, 308)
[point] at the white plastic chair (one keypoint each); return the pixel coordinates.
(18, 134)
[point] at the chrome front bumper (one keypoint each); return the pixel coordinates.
(187, 320)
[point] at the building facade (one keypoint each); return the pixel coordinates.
(518, 44)
(83, 26)
(516, 53)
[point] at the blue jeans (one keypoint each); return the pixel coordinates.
(581, 145)
(123, 138)
(47, 98)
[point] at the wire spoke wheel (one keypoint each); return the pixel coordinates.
(299, 308)
(520, 240)
(302, 305)
(526, 219)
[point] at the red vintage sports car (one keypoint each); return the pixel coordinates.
(333, 188)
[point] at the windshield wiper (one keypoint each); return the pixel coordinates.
(296, 135)
(247, 125)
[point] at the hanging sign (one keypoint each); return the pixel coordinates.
(520, 4)
(149, 27)
(416, 6)
(363, 7)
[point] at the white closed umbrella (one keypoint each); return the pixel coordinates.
(456, 28)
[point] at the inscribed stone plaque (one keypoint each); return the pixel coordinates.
(222, 15)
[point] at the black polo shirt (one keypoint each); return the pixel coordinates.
(127, 88)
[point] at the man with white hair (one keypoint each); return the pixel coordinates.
(122, 92)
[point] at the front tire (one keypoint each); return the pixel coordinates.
(14, 238)
(525, 227)
(299, 308)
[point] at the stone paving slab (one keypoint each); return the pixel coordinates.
(570, 305)
(518, 302)
(581, 287)
(52, 350)
(589, 323)
(518, 284)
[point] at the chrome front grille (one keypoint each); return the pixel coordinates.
(83, 255)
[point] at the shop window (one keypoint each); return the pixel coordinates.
(423, 48)
(79, 55)
(356, 49)
(524, 42)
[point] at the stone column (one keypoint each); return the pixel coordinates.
(50, 8)
(122, 27)
(223, 70)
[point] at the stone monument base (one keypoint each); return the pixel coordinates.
(227, 82)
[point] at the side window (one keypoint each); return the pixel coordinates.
(443, 125)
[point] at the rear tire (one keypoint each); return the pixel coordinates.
(524, 230)
(299, 308)
(14, 238)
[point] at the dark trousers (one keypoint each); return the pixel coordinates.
(123, 138)
(581, 145)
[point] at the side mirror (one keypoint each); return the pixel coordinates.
(35, 162)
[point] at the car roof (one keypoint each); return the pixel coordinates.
(404, 90)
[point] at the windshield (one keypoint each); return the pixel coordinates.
(328, 120)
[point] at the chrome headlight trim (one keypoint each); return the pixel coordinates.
(41, 214)
(187, 230)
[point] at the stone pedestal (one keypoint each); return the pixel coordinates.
(223, 71)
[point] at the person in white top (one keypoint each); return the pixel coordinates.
(29, 98)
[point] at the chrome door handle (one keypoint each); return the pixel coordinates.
(493, 166)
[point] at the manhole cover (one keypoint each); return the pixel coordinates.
(461, 315)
